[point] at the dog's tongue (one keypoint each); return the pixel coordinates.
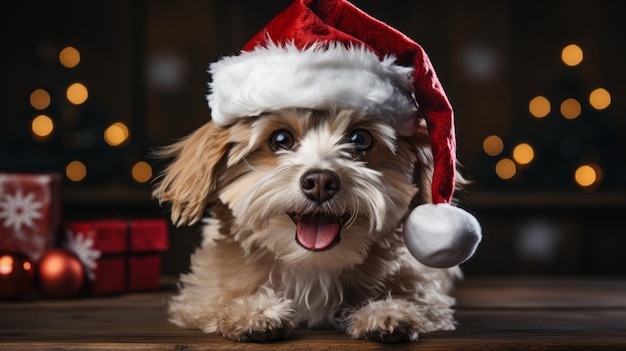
(317, 231)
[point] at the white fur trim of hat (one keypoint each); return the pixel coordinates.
(273, 77)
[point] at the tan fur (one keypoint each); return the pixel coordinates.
(251, 281)
(189, 182)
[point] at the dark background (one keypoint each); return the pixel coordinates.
(144, 64)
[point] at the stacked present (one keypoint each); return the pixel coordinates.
(95, 257)
(119, 255)
(30, 212)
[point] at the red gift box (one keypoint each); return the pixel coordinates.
(119, 255)
(30, 212)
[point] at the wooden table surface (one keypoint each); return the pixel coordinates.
(493, 314)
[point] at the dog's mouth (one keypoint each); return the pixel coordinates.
(318, 231)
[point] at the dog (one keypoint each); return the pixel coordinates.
(303, 212)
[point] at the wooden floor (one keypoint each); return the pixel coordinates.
(493, 314)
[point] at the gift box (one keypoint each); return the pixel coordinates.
(30, 212)
(119, 255)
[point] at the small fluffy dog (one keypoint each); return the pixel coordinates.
(305, 229)
(327, 167)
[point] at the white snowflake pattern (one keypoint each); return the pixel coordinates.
(19, 211)
(82, 246)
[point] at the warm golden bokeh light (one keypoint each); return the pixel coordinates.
(76, 171)
(539, 107)
(69, 57)
(42, 126)
(493, 145)
(570, 108)
(39, 99)
(587, 175)
(6, 265)
(116, 134)
(600, 99)
(77, 93)
(572, 55)
(523, 154)
(506, 168)
(142, 172)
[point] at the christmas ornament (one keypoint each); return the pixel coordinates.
(360, 63)
(16, 275)
(60, 274)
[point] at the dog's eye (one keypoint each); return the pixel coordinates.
(361, 139)
(282, 139)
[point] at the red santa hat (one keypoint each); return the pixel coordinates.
(324, 54)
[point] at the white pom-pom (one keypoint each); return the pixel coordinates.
(441, 235)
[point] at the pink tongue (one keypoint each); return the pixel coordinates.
(317, 231)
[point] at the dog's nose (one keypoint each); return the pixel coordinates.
(320, 185)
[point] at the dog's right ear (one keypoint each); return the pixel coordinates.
(190, 180)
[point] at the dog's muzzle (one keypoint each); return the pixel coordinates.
(318, 231)
(320, 185)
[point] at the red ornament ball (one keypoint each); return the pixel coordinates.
(60, 274)
(16, 275)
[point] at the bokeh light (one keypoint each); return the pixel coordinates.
(116, 134)
(39, 99)
(77, 93)
(506, 169)
(142, 172)
(6, 264)
(493, 145)
(572, 55)
(76, 171)
(523, 154)
(588, 175)
(539, 107)
(570, 108)
(600, 99)
(42, 126)
(69, 57)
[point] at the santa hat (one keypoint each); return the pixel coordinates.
(328, 53)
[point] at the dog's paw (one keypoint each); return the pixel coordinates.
(267, 335)
(401, 333)
(257, 318)
(395, 320)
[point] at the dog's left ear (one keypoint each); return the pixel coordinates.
(190, 181)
